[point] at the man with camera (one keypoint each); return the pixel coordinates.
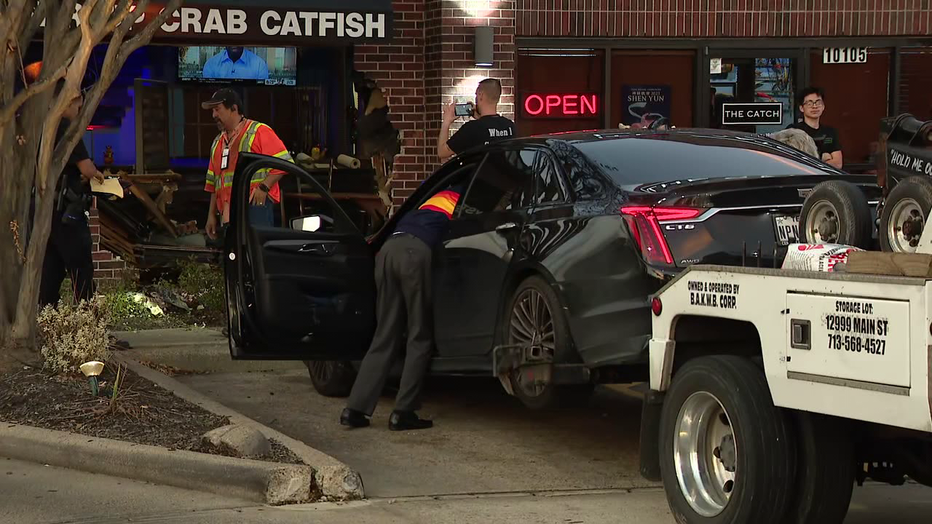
(487, 125)
(69, 246)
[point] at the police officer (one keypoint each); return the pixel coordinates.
(69, 246)
(488, 126)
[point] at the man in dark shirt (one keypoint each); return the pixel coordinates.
(812, 104)
(489, 126)
(403, 284)
(69, 246)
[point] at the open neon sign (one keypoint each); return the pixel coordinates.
(560, 105)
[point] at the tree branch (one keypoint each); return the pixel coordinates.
(38, 11)
(9, 110)
(146, 34)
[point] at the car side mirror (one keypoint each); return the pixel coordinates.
(310, 224)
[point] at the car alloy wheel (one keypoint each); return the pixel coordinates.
(532, 327)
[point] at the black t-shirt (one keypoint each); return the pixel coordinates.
(481, 131)
(825, 137)
(71, 175)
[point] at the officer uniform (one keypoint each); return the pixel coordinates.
(69, 245)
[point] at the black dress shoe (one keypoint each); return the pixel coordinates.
(405, 420)
(353, 418)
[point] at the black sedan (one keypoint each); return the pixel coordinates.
(544, 276)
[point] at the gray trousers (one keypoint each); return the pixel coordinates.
(403, 285)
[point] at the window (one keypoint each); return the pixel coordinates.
(549, 188)
(640, 161)
(504, 182)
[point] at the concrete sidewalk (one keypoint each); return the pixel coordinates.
(194, 349)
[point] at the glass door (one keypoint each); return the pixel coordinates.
(761, 79)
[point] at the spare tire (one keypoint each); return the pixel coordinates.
(836, 212)
(905, 212)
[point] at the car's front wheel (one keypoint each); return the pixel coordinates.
(536, 324)
(331, 378)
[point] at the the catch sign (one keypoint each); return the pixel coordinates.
(760, 113)
(560, 105)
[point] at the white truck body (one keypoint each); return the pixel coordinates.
(867, 355)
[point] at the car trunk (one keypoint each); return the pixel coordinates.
(741, 221)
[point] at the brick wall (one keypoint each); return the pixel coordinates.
(722, 18)
(430, 62)
(399, 70)
(107, 266)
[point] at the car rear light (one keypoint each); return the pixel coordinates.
(644, 222)
(656, 306)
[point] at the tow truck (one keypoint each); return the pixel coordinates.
(773, 392)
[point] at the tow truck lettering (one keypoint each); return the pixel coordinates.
(856, 334)
(844, 306)
(713, 294)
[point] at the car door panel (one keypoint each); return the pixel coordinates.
(474, 260)
(295, 294)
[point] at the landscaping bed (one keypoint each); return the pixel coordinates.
(143, 412)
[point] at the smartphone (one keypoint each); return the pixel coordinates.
(463, 109)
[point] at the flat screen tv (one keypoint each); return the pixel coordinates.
(275, 66)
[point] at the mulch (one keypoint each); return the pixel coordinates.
(144, 413)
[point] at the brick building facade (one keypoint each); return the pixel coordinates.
(611, 48)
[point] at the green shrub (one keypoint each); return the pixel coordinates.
(73, 334)
(203, 282)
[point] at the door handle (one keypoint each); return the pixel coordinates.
(316, 249)
(506, 227)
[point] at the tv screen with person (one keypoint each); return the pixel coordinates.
(262, 65)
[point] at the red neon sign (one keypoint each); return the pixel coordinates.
(560, 105)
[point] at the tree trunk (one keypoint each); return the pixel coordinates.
(31, 158)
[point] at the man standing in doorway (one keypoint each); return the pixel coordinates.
(812, 105)
(239, 134)
(488, 126)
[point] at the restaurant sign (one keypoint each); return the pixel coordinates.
(270, 24)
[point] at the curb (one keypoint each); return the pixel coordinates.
(334, 479)
(265, 482)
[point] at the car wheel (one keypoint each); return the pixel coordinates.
(825, 471)
(331, 378)
(536, 322)
(904, 215)
(836, 212)
(726, 454)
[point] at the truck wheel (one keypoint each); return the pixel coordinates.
(726, 454)
(331, 378)
(836, 212)
(535, 320)
(825, 471)
(904, 214)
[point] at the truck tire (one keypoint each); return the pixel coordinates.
(905, 212)
(544, 327)
(825, 471)
(720, 431)
(836, 212)
(331, 378)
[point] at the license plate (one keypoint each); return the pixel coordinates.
(787, 228)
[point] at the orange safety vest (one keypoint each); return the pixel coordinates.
(256, 137)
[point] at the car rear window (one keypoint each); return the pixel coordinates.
(669, 158)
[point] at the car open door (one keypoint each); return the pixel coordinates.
(302, 290)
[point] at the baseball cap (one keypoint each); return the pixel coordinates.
(225, 96)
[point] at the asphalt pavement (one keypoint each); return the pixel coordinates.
(488, 459)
